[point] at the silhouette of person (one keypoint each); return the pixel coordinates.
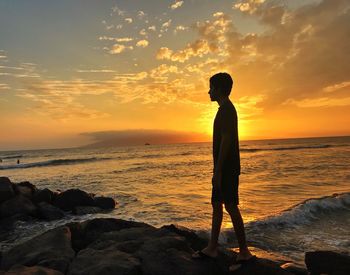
(226, 172)
(17, 161)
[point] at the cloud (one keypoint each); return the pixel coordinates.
(248, 6)
(4, 86)
(180, 28)
(95, 71)
(117, 10)
(197, 48)
(165, 26)
(119, 48)
(337, 87)
(128, 20)
(117, 39)
(141, 14)
(152, 28)
(319, 102)
(176, 5)
(142, 43)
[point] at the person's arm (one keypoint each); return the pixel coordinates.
(225, 143)
(227, 135)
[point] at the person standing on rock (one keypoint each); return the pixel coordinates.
(227, 169)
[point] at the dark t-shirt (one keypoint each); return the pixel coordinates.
(226, 123)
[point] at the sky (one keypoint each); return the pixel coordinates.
(76, 72)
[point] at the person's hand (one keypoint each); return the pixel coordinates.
(216, 180)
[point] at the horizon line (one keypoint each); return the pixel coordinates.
(131, 145)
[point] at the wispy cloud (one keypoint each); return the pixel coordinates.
(176, 5)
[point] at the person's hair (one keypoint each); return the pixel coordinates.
(223, 82)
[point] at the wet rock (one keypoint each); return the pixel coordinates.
(72, 198)
(104, 202)
(195, 242)
(17, 205)
(6, 189)
(295, 269)
(327, 262)
(108, 261)
(25, 188)
(49, 212)
(51, 249)
(33, 270)
(45, 195)
(83, 210)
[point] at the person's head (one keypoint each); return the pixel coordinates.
(220, 86)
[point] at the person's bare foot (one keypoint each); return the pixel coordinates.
(242, 258)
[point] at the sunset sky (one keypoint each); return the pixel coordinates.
(74, 72)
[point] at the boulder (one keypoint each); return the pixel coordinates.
(51, 249)
(104, 202)
(33, 270)
(108, 261)
(86, 232)
(83, 210)
(72, 198)
(196, 242)
(328, 262)
(6, 189)
(295, 269)
(49, 212)
(18, 205)
(45, 195)
(25, 188)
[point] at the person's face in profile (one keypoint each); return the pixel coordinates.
(213, 93)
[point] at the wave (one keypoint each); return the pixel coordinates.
(322, 146)
(11, 157)
(307, 211)
(53, 162)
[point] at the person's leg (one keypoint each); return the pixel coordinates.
(238, 225)
(211, 249)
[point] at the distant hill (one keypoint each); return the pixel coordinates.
(142, 137)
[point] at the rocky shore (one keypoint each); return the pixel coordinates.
(23, 201)
(115, 246)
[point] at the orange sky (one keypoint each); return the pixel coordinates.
(69, 74)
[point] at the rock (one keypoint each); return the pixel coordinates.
(104, 202)
(45, 195)
(6, 190)
(86, 232)
(72, 198)
(18, 205)
(295, 269)
(196, 243)
(49, 212)
(327, 262)
(51, 249)
(33, 270)
(83, 210)
(109, 261)
(25, 188)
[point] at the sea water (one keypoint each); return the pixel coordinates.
(294, 193)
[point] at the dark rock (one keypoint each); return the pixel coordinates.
(104, 202)
(49, 212)
(109, 261)
(45, 195)
(6, 190)
(25, 188)
(72, 198)
(18, 205)
(327, 262)
(83, 210)
(33, 270)
(295, 269)
(196, 242)
(51, 249)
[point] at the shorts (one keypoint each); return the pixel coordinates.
(229, 190)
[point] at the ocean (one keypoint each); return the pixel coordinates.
(294, 193)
